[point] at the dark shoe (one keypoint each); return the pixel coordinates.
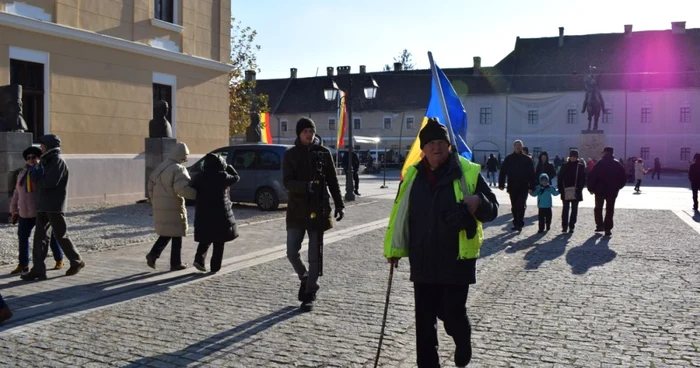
(75, 268)
(548, 227)
(571, 231)
(151, 261)
(563, 230)
(33, 275)
(608, 233)
(599, 229)
(5, 314)
(463, 356)
(301, 295)
(540, 231)
(358, 194)
(179, 267)
(199, 266)
(514, 228)
(306, 306)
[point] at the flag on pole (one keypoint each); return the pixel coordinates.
(456, 121)
(266, 128)
(342, 120)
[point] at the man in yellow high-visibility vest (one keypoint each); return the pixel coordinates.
(436, 223)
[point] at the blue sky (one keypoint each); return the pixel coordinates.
(314, 34)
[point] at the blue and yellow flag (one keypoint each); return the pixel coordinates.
(457, 126)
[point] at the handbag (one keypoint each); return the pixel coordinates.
(570, 192)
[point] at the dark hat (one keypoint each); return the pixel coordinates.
(433, 131)
(608, 150)
(304, 123)
(36, 151)
(696, 157)
(50, 141)
(573, 153)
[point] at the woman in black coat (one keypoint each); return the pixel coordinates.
(545, 167)
(571, 174)
(213, 222)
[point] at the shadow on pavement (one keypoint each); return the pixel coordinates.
(524, 243)
(594, 252)
(218, 342)
(548, 251)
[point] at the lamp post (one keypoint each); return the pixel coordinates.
(330, 93)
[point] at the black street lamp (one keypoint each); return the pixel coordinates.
(330, 93)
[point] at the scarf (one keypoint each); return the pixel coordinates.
(26, 181)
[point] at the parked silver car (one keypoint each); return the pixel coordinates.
(260, 169)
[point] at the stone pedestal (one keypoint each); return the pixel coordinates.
(592, 144)
(157, 150)
(12, 144)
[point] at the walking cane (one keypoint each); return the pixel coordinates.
(386, 310)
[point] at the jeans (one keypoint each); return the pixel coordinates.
(492, 178)
(175, 250)
(448, 303)
(695, 189)
(57, 223)
(294, 239)
(216, 257)
(566, 221)
(517, 203)
(545, 218)
(609, 201)
(24, 231)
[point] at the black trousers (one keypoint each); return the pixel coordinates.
(609, 201)
(695, 189)
(544, 216)
(566, 221)
(657, 173)
(57, 223)
(449, 304)
(356, 179)
(517, 208)
(175, 250)
(216, 257)
(639, 182)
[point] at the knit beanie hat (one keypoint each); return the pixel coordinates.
(433, 131)
(304, 123)
(573, 153)
(36, 151)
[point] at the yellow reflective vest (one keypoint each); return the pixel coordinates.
(396, 240)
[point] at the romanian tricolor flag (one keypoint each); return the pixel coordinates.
(342, 119)
(266, 128)
(443, 100)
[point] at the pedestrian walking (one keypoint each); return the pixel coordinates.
(23, 210)
(302, 164)
(694, 177)
(168, 187)
(557, 163)
(491, 169)
(544, 192)
(355, 169)
(545, 167)
(657, 169)
(605, 181)
(571, 181)
(639, 173)
(51, 176)
(520, 172)
(214, 222)
(436, 222)
(5, 312)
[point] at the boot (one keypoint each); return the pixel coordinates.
(75, 268)
(301, 295)
(20, 269)
(34, 275)
(5, 314)
(151, 261)
(59, 265)
(463, 355)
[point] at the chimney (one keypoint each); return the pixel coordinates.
(477, 64)
(678, 27)
(398, 67)
(343, 70)
(561, 36)
(628, 28)
(329, 71)
(250, 75)
(293, 73)
(363, 69)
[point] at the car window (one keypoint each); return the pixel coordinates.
(244, 159)
(269, 160)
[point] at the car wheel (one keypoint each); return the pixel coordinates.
(266, 199)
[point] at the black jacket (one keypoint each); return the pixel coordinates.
(214, 221)
(545, 168)
(355, 161)
(694, 174)
(567, 178)
(433, 244)
(607, 177)
(297, 173)
(52, 182)
(519, 170)
(492, 164)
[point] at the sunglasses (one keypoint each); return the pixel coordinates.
(31, 157)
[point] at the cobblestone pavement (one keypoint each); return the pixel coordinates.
(552, 300)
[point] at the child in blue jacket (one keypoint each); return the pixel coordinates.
(544, 193)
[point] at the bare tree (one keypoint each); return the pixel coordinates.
(405, 58)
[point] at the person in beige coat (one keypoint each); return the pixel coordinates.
(168, 187)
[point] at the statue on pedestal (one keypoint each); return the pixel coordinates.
(253, 133)
(593, 102)
(159, 126)
(11, 119)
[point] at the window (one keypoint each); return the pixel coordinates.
(269, 160)
(571, 116)
(165, 10)
(387, 123)
(607, 116)
(331, 123)
(536, 152)
(485, 115)
(357, 123)
(685, 114)
(409, 123)
(284, 125)
(31, 77)
(244, 159)
(644, 152)
(646, 114)
(533, 117)
(685, 154)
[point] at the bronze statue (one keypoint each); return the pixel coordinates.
(11, 119)
(593, 102)
(253, 133)
(159, 126)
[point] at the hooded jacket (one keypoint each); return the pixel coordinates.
(214, 221)
(168, 187)
(544, 193)
(51, 177)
